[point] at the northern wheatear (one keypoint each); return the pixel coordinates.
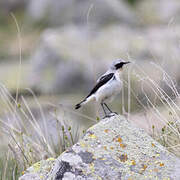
(107, 87)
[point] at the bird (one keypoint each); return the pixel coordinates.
(107, 86)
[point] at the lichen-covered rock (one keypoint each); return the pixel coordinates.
(116, 149)
(39, 170)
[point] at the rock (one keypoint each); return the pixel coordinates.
(11, 5)
(60, 61)
(115, 148)
(75, 11)
(38, 171)
(75, 55)
(164, 11)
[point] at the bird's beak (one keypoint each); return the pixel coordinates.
(127, 62)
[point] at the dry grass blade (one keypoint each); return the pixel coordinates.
(5, 166)
(20, 54)
(20, 149)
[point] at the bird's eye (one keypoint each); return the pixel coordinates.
(119, 65)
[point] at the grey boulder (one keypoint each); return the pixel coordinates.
(76, 11)
(115, 148)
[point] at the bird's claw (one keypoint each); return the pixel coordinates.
(110, 115)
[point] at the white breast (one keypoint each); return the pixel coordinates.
(109, 90)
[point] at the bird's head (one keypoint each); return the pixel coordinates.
(118, 64)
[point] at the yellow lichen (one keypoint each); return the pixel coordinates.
(91, 166)
(82, 144)
(93, 136)
(111, 148)
(51, 159)
(36, 166)
(133, 162)
(153, 145)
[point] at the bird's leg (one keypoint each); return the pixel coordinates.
(108, 108)
(104, 109)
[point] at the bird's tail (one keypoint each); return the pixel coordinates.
(77, 106)
(83, 102)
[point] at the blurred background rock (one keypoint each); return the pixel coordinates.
(66, 45)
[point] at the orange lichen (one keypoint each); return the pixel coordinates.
(153, 145)
(122, 145)
(144, 167)
(119, 140)
(105, 148)
(106, 130)
(161, 164)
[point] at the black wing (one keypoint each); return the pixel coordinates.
(102, 77)
(103, 80)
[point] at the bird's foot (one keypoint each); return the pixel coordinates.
(113, 114)
(110, 115)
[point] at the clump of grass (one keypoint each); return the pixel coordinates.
(162, 103)
(28, 140)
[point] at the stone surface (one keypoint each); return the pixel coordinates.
(38, 171)
(115, 148)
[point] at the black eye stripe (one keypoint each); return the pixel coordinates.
(119, 65)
